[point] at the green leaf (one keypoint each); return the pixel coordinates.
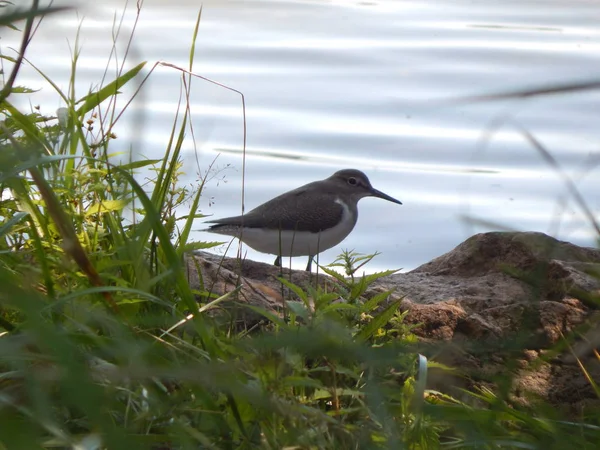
(338, 307)
(94, 99)
(141, 295)
(106, 206)
(374, 301)
(297, 381)
(31, 163)
(22, 90)
(358, 288)
(12, 222)
(267, 314)
(298, 308)
(376, 276)
(187, 228)
(324, 299)
(378, 322)
(334, 274)
(139, 164)
(192, 246)
(153, 221)
(295, 289)
(22, 14)
(29, 127)
(322, 394)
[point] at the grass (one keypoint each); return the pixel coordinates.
(106, 345)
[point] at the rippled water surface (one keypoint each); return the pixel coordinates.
(378, 86)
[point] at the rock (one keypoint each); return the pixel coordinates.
(484, 253)
(438, 320)
(258, 282)
(504, 279)
(498, 303)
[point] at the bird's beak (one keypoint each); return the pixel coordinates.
(379, 194)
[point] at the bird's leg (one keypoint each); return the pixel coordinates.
(309, 265)
(277, 261)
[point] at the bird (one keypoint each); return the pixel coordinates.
(304, 221)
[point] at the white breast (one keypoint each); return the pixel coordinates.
(299, 243)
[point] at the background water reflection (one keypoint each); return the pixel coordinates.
(331, 85)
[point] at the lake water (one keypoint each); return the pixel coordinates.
(363, 84)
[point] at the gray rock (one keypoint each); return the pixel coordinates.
(499, 302)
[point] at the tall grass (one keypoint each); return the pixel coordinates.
(106, 345)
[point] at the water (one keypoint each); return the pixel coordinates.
(341, 84)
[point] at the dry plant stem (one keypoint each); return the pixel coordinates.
(111, 110)
(528, 93)
(191, 74)
(208, 80)
(336, 400)
(5, 92)
(71, 243)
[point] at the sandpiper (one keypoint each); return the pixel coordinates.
(305, 221)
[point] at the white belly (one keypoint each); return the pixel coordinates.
(298, 243)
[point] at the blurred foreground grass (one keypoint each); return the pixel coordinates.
(92, 276)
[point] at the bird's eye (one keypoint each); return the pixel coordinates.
(352, 181)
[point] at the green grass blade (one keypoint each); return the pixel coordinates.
(7, 226)
(187, 228)
(93, 99)
(172, 259)
(378, 322)
(24, 14)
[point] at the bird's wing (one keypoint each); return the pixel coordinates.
(295, 210)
